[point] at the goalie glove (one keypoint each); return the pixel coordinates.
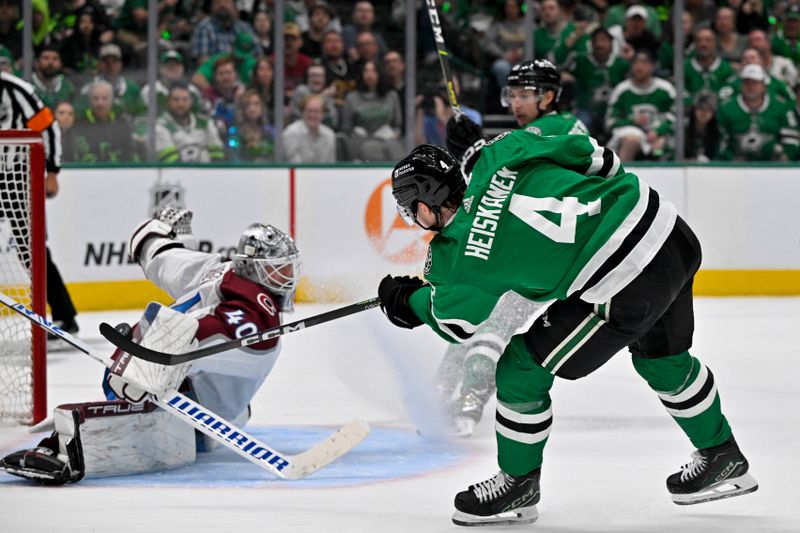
(171, 228)
(162, 329)
(394, 293)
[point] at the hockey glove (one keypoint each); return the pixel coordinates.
(394, 293)
(170, 228)
(124, 390)
(461, 134)
(181, 222)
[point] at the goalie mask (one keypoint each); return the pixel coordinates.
(429, 174)
(538, 76)
(269, 257)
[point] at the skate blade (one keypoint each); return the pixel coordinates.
(463, 426)
(525, 515)
(724, 489)
(27, 473)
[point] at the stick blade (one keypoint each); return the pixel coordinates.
(345, 439)
(126, 344)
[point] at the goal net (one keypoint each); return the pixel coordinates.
(22, 276)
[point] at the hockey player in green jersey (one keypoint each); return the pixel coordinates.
(603, 261)
(755, 125)
(532, 93)
(465, 379)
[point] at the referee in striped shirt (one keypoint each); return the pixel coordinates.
(21, 108)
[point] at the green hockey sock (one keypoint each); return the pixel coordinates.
(523, 416)
(688, 391)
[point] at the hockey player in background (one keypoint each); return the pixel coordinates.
(532, 93)
(605, 263)
(215, 301)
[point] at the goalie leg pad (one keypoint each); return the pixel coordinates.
(105, 439)
(121, 438)
(58, 459)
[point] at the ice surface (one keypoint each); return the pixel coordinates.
(610, 450)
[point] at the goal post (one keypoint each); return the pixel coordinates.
(23, 347)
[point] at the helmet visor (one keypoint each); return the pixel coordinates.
(279, 275)
(523, 94)
(408, 213)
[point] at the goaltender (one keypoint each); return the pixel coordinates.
(215, 301)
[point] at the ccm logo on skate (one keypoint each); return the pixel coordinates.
(522, 501)
(240, 440)
(728, 470)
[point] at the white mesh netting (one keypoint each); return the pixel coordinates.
(16, 378)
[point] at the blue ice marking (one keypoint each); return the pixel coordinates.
(386, 454)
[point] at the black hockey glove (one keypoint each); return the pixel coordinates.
(461, 134)
(394, 293)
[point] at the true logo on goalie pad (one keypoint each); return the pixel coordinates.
(112, 408)
(239, 439)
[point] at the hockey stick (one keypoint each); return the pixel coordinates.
(444, 60)
(124, 343)
(279, 464)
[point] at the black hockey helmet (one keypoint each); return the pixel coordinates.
(428, 174)
(539, 75)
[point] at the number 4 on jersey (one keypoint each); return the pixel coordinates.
(527, 208)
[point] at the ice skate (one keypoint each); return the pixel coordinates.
(713, 474)
(466, 411)
(500, 500)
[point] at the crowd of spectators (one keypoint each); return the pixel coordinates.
(344, 74)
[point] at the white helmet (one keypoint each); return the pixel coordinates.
(269, 257)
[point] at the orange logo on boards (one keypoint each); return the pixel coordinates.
(392, 238)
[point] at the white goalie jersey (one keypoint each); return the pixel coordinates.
(226, 306)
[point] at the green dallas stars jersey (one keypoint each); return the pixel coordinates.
(596, 80)
(553, 123)
(775, 87)
(700, 79)
(656, 100)
(764, 134)
(543, 217)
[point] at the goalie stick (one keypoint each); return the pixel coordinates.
(277, 463)
(444, 60)
(124, 343)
